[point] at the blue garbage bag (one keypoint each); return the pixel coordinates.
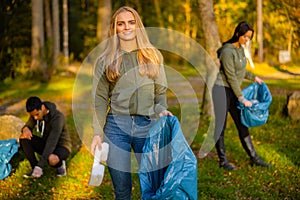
(168, 167)
(8, 148)
(261, 99)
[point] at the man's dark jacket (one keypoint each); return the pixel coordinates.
(55, 131)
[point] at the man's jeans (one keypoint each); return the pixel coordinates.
(124, 132)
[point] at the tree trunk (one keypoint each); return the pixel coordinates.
(158, 13)
(104, 14)
(48, 21)
(260, 32)
(65, 32)
(38, 64)
(188, 17)
(56, 31)
(212, 40)
(49, 36)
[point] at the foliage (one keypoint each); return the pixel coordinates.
(281, 26)
(15, 37)
(288, 14)
(231, 13)
(82, 27)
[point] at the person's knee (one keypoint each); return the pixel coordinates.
(23, 141)
(53, 159)
(24, 144)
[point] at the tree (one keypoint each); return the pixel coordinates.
(260, 31)
(49, 36)
(56, 32)
(212, 40)
(48, 21)
(104, 14)
(158, 13)
(12, 40)
(65, 32)
(38, 63)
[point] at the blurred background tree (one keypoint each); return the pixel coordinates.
(281, 19)
(15, 38)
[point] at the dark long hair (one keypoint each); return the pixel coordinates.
(241, 29)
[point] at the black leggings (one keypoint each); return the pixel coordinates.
(37, 144)
(225, 101)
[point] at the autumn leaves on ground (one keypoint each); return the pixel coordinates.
(277, 142)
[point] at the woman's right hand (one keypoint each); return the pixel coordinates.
(96, 143)
(165, 113)
(247, 103)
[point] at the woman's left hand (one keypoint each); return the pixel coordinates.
(165, 113)
(259, 80)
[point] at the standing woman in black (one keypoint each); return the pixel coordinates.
(227, 93)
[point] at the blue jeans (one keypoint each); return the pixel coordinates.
(124, 133)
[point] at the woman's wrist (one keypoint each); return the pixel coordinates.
(242, 99)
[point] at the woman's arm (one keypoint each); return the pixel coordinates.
(100, 101)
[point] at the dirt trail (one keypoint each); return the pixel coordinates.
(186, 89)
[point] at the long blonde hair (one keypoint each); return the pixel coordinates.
(148, 56)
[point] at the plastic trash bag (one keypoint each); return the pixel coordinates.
(168, 167)
(261, 99)
(97, 172)
(8, 148)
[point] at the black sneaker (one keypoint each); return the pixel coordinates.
(62, 170)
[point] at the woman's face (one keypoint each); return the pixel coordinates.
(126, 26)
(246, 37)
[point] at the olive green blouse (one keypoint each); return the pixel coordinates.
(233, 69)
(131, 94)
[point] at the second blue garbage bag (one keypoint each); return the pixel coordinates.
(8, 148)
(168, 167)
(261, 99)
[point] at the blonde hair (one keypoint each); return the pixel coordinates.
(148, 56)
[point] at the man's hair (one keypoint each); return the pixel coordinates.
(33, 103)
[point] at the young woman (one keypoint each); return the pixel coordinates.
(227, 93)
(129, 89)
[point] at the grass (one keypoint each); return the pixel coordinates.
(276, 142)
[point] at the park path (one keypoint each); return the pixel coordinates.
(16, 106)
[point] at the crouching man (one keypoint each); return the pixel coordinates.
(54, 142)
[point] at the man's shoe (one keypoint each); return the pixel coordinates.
(37, 172)
(29, 175)
(62, 170)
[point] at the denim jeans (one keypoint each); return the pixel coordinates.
(124, 133)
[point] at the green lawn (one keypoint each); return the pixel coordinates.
(276, 142)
